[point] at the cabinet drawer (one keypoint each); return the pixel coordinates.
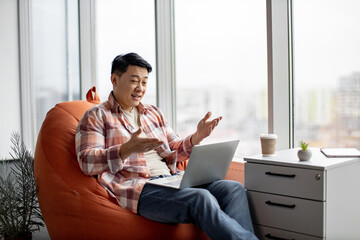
(297, 182)
(266, 233)
(287, 213)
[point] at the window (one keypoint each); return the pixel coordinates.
(327, 72)
(55, 54)
(221, 66)
(121, 27)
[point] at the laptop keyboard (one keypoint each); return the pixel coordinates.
(174, 183)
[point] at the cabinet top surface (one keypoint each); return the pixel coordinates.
(289, 158)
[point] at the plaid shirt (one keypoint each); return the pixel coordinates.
(99, 136)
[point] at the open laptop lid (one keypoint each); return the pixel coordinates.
(208, 163)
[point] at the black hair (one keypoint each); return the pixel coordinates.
(121, 63)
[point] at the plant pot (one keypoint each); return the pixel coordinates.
(304, 155)
(24, 236)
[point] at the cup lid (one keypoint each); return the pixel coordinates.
(268, 136)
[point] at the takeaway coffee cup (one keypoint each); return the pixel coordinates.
(268, 144)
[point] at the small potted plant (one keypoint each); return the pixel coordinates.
(20, 213)
(304, 153)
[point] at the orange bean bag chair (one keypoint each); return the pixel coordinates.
(75, 206)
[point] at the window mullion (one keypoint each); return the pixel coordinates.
(87, 45)
(165, 55)
(279, 75)
(28, 123)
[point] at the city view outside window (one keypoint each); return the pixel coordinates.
(121, 26)
(221, 66)
(327, 72)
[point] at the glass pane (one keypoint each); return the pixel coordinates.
(122, 27)
(221, 66)
(327, 72)
(9, 76)
(55, 51)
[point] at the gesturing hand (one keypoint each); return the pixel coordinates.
(204, 128)
(138, 144)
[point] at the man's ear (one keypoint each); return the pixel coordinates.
(113, 79)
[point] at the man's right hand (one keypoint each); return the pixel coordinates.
(137, 144)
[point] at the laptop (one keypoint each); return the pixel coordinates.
(207, 164)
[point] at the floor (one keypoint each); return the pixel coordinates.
(41, 235)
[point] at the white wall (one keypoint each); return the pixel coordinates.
(9, 75)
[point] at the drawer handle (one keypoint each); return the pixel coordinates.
(281, 175)
(280, 204)
(269, 236)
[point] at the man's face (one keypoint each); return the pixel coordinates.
(130, 87)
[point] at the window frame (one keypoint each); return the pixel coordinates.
(28, 122)
(87, 46)
(165, 59)
(280, 78)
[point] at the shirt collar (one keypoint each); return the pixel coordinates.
(115, 107)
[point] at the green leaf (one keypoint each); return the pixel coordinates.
(303, 145)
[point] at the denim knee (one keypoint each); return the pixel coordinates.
(232, 184)
(236, 189)
(202, 202)
(237, 186)
(203, 196)
(223, 188)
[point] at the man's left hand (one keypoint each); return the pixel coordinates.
(204, 128)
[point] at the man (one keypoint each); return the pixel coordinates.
(126, 143)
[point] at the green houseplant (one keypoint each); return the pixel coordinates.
(304, 153)
(20, 213)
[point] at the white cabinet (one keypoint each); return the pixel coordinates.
(317, 199)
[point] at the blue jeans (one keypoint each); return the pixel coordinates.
(220, 209)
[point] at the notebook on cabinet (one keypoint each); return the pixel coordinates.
(340, 152)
